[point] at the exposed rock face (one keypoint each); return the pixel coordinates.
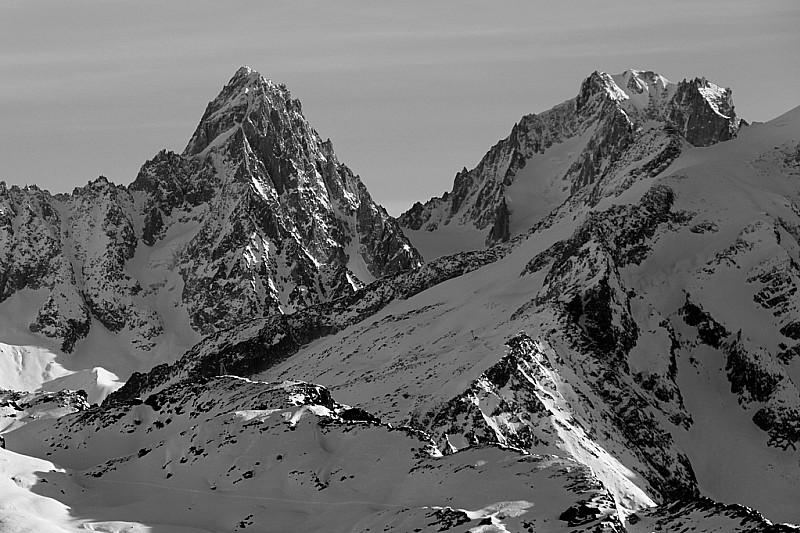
(613, 142)
(501, 230)
(584, 271)
(703, 112)
(257, 217)
(704, 515)
(18, 408)
(101, 228)
(759, 377)
(30, 238)
(76, 246)
(521, 402)
(172, 183)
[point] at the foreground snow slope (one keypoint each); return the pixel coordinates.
(235, 455)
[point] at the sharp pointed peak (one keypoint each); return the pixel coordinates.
(244, 70)
(246, 76)
(246, 91)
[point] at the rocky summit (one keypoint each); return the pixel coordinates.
(604, 334)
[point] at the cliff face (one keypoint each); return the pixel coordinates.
(287, 225)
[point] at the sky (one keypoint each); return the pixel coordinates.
(409, 92)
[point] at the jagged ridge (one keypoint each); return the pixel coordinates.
(605, 126)
(256, 217)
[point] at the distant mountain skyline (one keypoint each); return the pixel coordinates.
(409, 93)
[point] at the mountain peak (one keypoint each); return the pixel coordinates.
(719, 98)
(246, 92)
(640, 80)
(634, 90)
(244, 70)
(516, 184)
(644, 88)
(652, 96)
(307, 207)
(248, 78)
(700, 109)
(598, 85)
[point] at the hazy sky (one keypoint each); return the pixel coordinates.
(410, 92)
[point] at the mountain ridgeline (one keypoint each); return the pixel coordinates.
(637, 119)
(613, 345)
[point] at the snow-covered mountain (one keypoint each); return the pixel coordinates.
(615, 131)
(256, 217)
(621, 355)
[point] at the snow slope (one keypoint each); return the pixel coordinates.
(28, 364)
(234, 455)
